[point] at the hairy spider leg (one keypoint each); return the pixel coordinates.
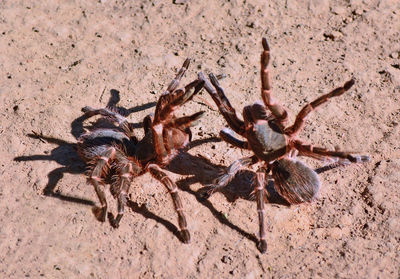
(224, 106)
(171, 87)
(307, 109)
(98, 168)
(276, 109)
(147, 123)
(113, 116)
(169, 103)
(126, 169)
(161, 176)
(319, 152)
(259, 193)
(175, 82)
(164, 116)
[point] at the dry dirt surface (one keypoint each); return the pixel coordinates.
(59, 56)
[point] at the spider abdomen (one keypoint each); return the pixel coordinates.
(294, 181)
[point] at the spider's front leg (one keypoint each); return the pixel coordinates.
(172, 97)
(164, 119)
(227, 135)
(175, 82)
(147, 123)
(276, 109)
(161, 176)
(226, 109)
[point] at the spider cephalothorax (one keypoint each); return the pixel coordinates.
(117, 152)
(274, 144)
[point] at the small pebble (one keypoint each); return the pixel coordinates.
(221, 61)
(395, 55)
(339, 11)
(226, 259)
(358, 11)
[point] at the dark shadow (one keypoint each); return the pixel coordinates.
(142, 210)
(77, 127)
(65, 155)
(115, 98)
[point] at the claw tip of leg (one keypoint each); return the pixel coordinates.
(349, 84)
(99, 213)
(262, 246)
(204, 195)
(186, 63)
(201, 76)
(213, 79)
(185, 236)
(86, 109)
(365, 158)
(265, 44)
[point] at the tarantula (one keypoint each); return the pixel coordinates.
(116, 152)
(274, 144)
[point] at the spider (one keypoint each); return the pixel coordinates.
(274, 144)
(117, 153)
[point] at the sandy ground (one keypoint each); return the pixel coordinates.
(58, 56)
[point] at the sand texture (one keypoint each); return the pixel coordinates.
(59, 56)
